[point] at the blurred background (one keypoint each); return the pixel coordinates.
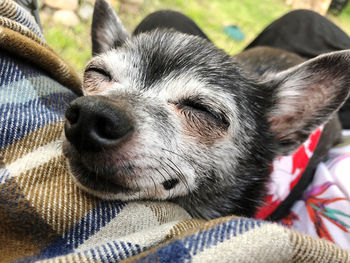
(230, 24)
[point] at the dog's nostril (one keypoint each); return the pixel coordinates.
(106, 129)
(72, 115)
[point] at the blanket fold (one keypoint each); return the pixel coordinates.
(20, 35)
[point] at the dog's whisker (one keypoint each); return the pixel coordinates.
(154, 183)
(163, 178)
(190, 162)
(179, 174)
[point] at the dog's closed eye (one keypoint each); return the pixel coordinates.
(97, 79)
(201, 121)
(195, 110)
(97, 73)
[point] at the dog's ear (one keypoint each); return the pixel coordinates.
(107, 31)
(306, 96)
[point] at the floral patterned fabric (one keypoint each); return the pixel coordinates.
(324, 210)
(286, 172)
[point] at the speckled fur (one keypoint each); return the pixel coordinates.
(197, 117)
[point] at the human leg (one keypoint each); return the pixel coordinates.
(169, 19)
(303, 32)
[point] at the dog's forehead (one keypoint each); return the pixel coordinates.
(151, 57)
(173, 66)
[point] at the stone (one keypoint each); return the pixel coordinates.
(136, 2)
(113, 2)
(85, 11)
(66, 17)
(62, 4)
(130, 6)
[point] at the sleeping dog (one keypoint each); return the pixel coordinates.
(169, 116)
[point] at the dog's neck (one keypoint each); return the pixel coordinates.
(286, 172)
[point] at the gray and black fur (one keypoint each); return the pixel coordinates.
(168, 116)
(263, 60)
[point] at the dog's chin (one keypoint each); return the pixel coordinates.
(98, 182)
(102, 186)
(115, 181)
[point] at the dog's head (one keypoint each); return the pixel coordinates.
(168, 116)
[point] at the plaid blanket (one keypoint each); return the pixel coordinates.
(45, 217)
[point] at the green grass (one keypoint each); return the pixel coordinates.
(251, 16)
(72, 44)
(343, 20)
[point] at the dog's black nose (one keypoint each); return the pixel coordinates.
(95, 123)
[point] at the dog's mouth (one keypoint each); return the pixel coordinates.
(123, 178)
(100, 182)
